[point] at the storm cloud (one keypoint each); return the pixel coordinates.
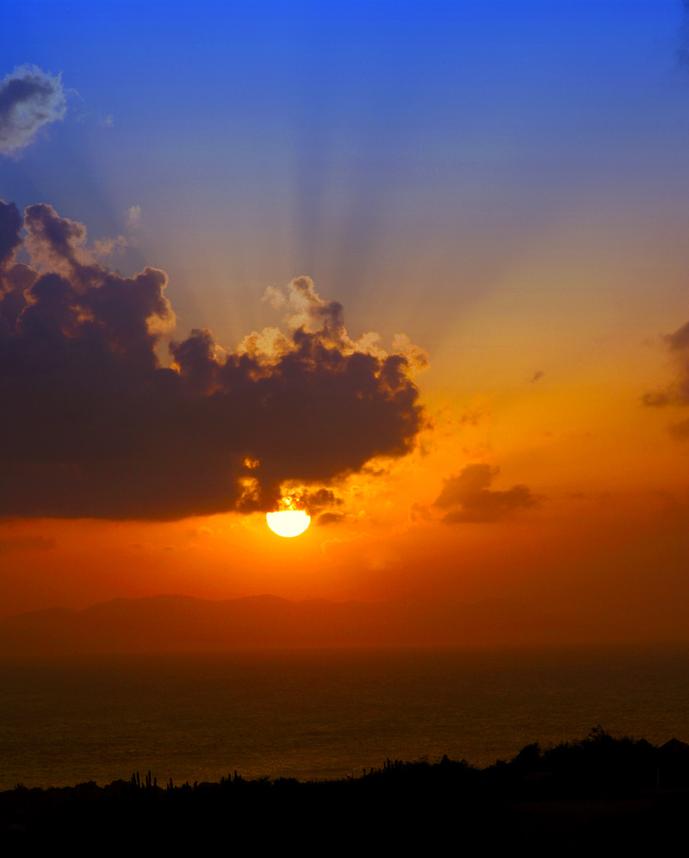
(95, 424)
(29, 99)
(467, 496)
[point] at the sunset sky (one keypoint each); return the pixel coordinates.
(424, 265)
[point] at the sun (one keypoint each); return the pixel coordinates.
(288, 521)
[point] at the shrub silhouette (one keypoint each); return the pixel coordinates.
(622, 789)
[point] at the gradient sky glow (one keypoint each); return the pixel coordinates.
(506, 183)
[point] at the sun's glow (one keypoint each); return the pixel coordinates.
(288, 521)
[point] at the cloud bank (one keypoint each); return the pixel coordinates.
(95, 425)
(467, 497)
(29, 99)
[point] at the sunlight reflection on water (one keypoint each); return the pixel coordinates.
(321, 714)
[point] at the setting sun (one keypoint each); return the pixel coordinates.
(288, 520)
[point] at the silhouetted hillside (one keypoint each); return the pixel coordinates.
(596, 794)
(182, 623)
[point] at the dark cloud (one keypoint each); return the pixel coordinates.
(327, 518)
(679, 341)
(29, 99)
(658, 398)
(315, 502)
(10, 227)
(677, 392)
(471, 418)
(95, 426)
(467, 497)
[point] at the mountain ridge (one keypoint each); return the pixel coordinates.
(183, 623)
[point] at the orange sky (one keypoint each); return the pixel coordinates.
(608, 533)
(545, 394)
(514, 201)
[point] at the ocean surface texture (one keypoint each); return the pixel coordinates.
(321, 714)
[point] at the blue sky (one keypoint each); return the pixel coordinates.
(367, 144)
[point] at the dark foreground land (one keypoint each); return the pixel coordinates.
(599, 795)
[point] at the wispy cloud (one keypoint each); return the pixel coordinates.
(29, 99)
(468, 497)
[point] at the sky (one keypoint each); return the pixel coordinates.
(423, 265)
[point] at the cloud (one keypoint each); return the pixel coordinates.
(133, 217)
(316, 501)
(677, 392)
(95, 425)
(467, 497)
(658, 399)
(326, 518)
(105, 247)
(10, 227)
(471, 417)
(679, 341)
(29, 99)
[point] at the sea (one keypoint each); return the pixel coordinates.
(322, 714)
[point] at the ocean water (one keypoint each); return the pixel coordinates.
(321, 714)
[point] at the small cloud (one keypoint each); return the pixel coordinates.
(676, 393)
(320, 499)
(657, 399)
(133, 217)
(417, 357)
(375, 470)
(314, 501)
(108, 121)
(275, 297)
(467, 497)
(679, 341)
(104, 247)
(471, 417)
(327, 518)
(29, 99)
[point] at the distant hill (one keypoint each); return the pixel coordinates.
(173, 623)
(183, 623)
